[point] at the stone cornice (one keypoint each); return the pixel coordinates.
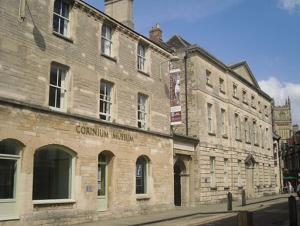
(91, 11)
(41, 109)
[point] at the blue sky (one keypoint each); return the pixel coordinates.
(265, 33)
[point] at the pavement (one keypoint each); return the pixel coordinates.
(189, 216)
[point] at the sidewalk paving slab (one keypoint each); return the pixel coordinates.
(203, 214)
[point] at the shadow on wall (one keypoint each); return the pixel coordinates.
(37, 35)
(38, 38)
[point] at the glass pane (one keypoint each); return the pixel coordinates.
(60, 71)
(53, 75)
(52, 174)
(58, 98)
(9, 148)
(61, 26)
(66, 24)
(7, 178)
(65, 10)
(57, 5)
(55, 23)
(52, 95)
(101, 174)
(140, 176)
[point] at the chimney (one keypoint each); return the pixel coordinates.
(155, 34)
(120, 10)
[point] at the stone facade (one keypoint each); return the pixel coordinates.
(30, 47)
(228, 156)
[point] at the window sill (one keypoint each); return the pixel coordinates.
(211, 134)
(209, 85)
(54, 201)
(58, 109)
(237, 139)
(144, 73)
(244, 102)
(214, 188)
(225, 136)
(256, 145)
(114, 59)
(248, 142)
(63, 37)
(143, 197)
(235, 97)
(9, 218)
(7, 200)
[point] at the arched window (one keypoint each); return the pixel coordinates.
(141, 175)
(9, 155)
(52, 175)
(61, 17)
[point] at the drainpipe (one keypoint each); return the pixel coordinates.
(186, 94)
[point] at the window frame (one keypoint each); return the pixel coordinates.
(222, 85)
(141, 58)
(213, 183)
(239, 173)
(145, 177)
(208, 78)
(223, 122)
(226, 173)
(61, 17)
(63, 88)
(142, 122)
(72, 187)
(210, 126)
(235, 90)
(106, 39)
(237, 123)
(106, 100)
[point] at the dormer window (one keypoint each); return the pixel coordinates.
(141, 58)
(61, 17)
(106, 40)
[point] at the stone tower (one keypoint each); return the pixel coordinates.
(282, 117)
(121, 10)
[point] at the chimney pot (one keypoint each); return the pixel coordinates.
(155, 33)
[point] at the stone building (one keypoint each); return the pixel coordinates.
(224, 107)
(84, 111)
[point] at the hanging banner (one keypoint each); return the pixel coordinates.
(175, 97)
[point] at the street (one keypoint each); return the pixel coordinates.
(276, 214)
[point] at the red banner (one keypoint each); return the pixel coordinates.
(175, 97)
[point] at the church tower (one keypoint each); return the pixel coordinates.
(282, 117)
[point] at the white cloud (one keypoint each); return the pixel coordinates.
(290, 5)
(280, 91)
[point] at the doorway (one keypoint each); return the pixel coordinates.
(103, 179)
(179, 168)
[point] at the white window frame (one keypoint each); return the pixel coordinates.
(106, 40)
(141, 57)
(62, 73)
(106, 100)
(212, 172)
(71, 183)
(142, 111)
(66, 32)
(210, 121)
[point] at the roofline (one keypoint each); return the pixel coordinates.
(226, 68)
(121, 24)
